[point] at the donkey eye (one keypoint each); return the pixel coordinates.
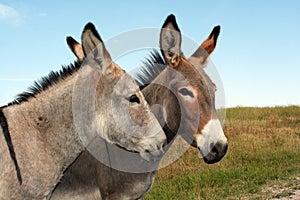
(186, 92)
(133, 99)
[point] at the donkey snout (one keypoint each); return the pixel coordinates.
(160, 140)
(154, 152)
(217, 152)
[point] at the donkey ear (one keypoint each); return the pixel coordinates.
(76, 48)
(170, 41)
(200, 56)
(93, 46)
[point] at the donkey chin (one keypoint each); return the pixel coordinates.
(152, 156)
(212, 143)
(151, 153)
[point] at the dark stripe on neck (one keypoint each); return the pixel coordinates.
(170, 136)
(4, 126)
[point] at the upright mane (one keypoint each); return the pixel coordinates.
(150, 69)
(45, 82)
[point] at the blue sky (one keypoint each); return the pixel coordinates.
(257, 55)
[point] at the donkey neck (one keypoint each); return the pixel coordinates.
(164, 104)
(50, 114)
(44, 137)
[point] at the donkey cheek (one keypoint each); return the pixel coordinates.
(139, 116)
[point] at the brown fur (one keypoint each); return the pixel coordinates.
(115, 184)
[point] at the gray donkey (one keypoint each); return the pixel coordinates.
(39, 134)
(192, 98)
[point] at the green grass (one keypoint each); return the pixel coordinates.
(264, 148)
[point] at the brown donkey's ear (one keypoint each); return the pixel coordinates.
(200, 56)
(76, 48)
(93, 47)
(170, 41)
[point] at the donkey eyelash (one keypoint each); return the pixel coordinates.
(186, 92)
(133, 99)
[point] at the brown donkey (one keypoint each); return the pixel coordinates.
(39, 138)
(186, 95)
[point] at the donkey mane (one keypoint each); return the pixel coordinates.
(150, 69)
(45, 82)
(38, 86)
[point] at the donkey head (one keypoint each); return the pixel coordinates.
(190, 88)
(195, 92)
(121, 114)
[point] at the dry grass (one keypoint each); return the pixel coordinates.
(264, 147)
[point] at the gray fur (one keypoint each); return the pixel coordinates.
(46, 139)
(119, 185)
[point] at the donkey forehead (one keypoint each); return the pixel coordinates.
(125, 84)
(195, 76)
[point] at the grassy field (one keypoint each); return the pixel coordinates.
(264, 152)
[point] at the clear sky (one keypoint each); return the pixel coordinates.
(257, 55)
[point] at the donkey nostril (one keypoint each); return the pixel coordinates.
(165, 144)
(219, 148)
(214, 149)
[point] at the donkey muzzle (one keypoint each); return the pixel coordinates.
(217, 152)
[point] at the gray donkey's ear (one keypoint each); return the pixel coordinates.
(170, 41)
(93, 46)
(76, 48)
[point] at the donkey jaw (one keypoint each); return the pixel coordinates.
(212, 143)
(154, 156)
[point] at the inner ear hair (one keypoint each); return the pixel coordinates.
(90, 38)
(76, 48)
(170, 40)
